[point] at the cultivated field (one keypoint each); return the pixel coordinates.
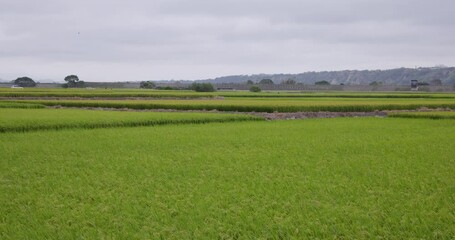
(45, 119)
(263, 104)
(146, 93)
(78, 173)
(4, 104)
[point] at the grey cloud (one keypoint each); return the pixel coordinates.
(201, 38)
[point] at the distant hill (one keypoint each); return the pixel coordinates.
(398, 76)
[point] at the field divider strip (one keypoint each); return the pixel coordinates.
(421, 116)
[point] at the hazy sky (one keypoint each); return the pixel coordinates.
(108, 40)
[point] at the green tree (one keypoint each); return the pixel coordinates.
(375, 83)
(147, 84)
(266, 81)
(322, 83)
(202, 87)
(255, 89)
(289, 82)
(25, 82)
(249, 82)
(73, 81)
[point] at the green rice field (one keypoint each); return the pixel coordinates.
(147, 93)
(263, 104)
(73, 173)
(44, 119)
(320, 178)
(4, 104)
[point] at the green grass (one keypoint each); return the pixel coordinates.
(430, 115)
(264, 104)
(117, 93)
(344, 178)
(46, 119)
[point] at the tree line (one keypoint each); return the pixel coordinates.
(72, 81)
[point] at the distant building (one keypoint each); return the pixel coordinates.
(15, 86)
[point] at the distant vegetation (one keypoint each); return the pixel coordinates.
(375, 83)
(289, 82)
(322, 83)
(25, 82)
(255, 89)
(398, 76)
(266, 81)
(147, 84)
(202, 87)
(167, 88)
(72, 81)
(137, 93)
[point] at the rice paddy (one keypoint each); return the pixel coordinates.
(4, 104)
(147, 93)
(45, 119)
(263, 104)
(319, 178)
(68, 173)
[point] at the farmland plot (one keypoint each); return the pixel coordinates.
(345, 178)
(264, 104)
(45, 119)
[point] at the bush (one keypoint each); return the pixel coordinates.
(255, 89)
(202, 87)
(322, 83)
(266, 81)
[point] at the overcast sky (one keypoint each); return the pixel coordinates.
(108, 40)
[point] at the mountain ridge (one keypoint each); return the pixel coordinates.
(397, 76)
